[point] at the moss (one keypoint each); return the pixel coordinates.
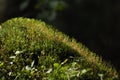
(31, 49)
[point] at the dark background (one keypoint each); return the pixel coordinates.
(95, 23)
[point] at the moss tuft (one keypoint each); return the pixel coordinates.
(31, 49)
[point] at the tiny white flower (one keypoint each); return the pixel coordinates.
(32, 64)
(34, 69)
(70, 69)
(78, 74)
(9, 73)
(101, 76)
(12, 57)
(11, 62)
(17, 52)
(49, 70)
(28, 68)
(84, 71)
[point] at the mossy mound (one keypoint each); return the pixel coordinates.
(31, 49)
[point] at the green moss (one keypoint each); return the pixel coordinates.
(31, 49)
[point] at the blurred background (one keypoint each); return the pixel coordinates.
(95, 23)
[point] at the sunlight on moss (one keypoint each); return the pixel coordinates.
(31, 49)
